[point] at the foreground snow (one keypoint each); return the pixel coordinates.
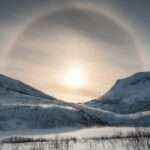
(75, 139)
(70, 132)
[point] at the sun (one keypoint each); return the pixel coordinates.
(74, 78)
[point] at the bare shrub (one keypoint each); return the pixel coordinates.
(139, 140)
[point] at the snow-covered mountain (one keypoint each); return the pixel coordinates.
(14, 91)
(129, 95)
(23, 107)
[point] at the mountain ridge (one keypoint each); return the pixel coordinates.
(11, 84)
(128, 95)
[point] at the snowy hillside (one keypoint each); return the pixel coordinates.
(15, 92)
(129, 95)
(22, 107)
(20, 117)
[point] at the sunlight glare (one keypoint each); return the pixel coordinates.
(74, 78)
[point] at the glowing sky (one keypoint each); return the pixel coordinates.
(74, 50)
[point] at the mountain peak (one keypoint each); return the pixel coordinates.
(137, 78)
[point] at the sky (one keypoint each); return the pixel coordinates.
(74, 50)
